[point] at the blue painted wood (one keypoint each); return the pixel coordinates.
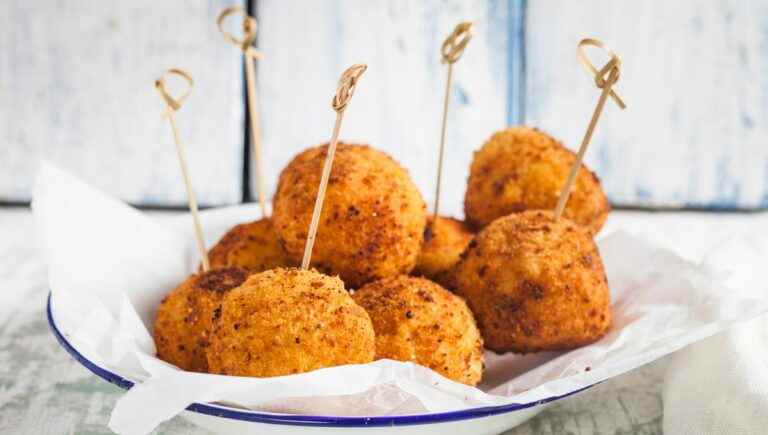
(76, 88)
(516, 62)
(692, 137)
(398, 104)
(695, 132)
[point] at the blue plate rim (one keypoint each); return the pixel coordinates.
(303, 420)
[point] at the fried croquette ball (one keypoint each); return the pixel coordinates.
(535, 284)
(285, 321)
(417, 320)
(373, 217)
(253, 245)
(525, 169)
(444, 240)
(184, 319)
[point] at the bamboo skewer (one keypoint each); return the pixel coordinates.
(605, 78)
(452, 49)
(344, 92)
(250, 55)
(172, 105)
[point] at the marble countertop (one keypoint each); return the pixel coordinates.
(44, 391)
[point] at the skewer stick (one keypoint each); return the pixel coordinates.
(451, 51)
(344, 92)
(172, 105)
(612, 70)
(250, 55)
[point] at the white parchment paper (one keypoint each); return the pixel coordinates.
(110, 265)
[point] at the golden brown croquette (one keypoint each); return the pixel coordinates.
(252, 245)
(444, 241)
(417, 320)
(285, 321)
(535, 284)
(373, 218)
(523, 168)
(184, 319)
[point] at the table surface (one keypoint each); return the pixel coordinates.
(44, 391)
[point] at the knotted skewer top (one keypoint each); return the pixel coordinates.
(609, 74)
(605, 84)
(344, 92)
(174, 103)
(347, 85)
(249, 31)
(456, 42)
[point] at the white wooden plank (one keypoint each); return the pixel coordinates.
(397, 105)
(73, 88)
(693, 76)
(76, 88)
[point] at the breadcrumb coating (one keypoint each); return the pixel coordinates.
(252, 245)
(444, 241)
(286, 321)
(417, 320)
(535, 284)
(184, 319)
(523, 168)
(373, 218)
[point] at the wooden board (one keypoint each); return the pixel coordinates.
(398, 103)
(76, 88)
(693, 75)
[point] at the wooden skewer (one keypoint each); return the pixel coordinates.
(172, 105)
(612, 71)
(250, 55)
(344, 92)
(452, 49)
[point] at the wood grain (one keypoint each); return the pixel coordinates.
(397, 106)
(693, 76)
(76, 88)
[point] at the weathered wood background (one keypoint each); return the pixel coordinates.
(696, 130)
(75, 87)
(398, 103)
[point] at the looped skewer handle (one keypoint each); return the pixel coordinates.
(346, 87)
(452, 49)
(172, 102)
(249, 30)
(605, 84)
(251, 54)
(344, 92)
(456, 42)
(609, 74)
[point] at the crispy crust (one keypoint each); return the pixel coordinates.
(252, 245)
(373, 217)
(417, 320)
(286, 321)
(524, 169)
(444, 241)
(183, 322)
(535, 284)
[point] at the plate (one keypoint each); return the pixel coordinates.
(228, 420)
